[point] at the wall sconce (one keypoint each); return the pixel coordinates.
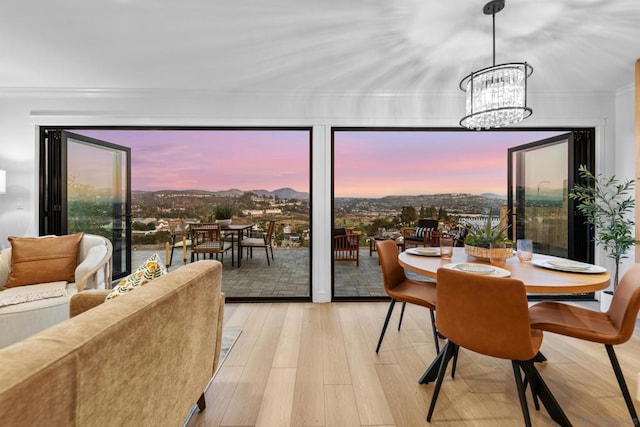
(3, 182)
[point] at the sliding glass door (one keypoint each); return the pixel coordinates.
(87, 187)
(541, 175)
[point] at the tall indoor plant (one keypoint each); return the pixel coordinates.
(608, 205)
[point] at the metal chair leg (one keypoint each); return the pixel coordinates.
(622, 383)
(455, 362)
(386, 322)
(435, 331)
(404, 304)
(449, 349)
(521, 395)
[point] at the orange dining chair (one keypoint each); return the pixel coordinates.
(614, 327)
(400, 288)
(489, 315)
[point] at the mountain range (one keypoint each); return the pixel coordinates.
(282, 193)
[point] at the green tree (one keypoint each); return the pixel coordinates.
(380, 222)
(408, 215)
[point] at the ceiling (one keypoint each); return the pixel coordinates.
(313, 45)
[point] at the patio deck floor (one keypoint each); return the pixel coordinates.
(288, 276)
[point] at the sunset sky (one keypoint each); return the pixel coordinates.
(367, 163)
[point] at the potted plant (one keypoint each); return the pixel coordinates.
(223, 214)
(607, 204)
(479, 238)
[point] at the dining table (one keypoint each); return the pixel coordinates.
(538, 275)
(236, 231)
(544, 274)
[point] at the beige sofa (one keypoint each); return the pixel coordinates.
(19, 321)
(143, 359)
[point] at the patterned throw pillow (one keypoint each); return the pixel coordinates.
(420, 231)
(149, 270)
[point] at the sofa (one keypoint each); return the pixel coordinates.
(30, 308)
(142, 359)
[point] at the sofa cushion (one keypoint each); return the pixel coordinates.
(149, 270)
(43, 259)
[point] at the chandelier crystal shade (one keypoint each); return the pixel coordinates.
(496, 95)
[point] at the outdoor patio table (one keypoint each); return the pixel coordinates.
(239, 231)
(536, 279)
(373, 239)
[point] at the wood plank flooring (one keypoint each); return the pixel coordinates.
(298, 364)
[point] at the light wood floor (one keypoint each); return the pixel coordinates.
(298, 364)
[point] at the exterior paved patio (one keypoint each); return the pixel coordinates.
(288, 276)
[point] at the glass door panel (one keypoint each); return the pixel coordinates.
(541, 202)
(98, 194)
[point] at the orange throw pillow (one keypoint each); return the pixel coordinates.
(43, 259)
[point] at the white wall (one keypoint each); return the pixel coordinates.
(624, 149)
(22, 111)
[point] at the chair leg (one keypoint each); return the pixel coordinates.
(266, 251)
(449, 349)
(435, 331)
(404, 305)
(202, 404)
(534, 396)
(542, 391)
(386, 322)
(455, 362)
(622, 383)
(520, 386)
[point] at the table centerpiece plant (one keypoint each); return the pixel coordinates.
(608, 205)
(223, 214)
(479, 238)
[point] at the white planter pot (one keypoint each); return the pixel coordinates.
(605, 300)
(224, 222)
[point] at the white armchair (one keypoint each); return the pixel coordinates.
(26, 310)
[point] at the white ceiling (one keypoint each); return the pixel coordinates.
(312, 45)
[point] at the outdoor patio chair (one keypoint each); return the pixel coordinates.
(346, 247)
(179, 231)
(206, 239)
(425, 233)
(263, 240)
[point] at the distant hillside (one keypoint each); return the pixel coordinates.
(282, 193)
(493, 196)
(452, 202)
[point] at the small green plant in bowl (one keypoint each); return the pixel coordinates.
(479, 239)
(223, 214)
(483, 235)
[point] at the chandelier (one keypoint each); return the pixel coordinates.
(496, 95)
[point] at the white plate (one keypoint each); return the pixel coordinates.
(569, 266)
(424, 251)
(484, 269)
